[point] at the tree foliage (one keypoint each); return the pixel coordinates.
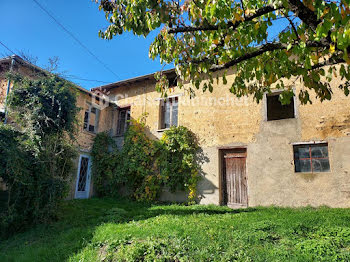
(36, 156)
(43, 106)
(264, 40)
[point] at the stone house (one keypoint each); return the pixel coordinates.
(251, 154)
(89, 118)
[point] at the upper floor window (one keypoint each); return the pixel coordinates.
(91, 118)
(277, 111)
(172, 80)
(169, 112)
(311, 158)
(123, 120)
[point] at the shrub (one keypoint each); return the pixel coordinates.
(36, 159)
(144, 165)
(106, 161)
(178, 166)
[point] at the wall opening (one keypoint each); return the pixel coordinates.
(277, 111)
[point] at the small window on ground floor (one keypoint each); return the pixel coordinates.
(311, 158)
(277, 111)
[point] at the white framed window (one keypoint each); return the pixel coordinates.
(169, 112)
(91, 118)
(123, 120)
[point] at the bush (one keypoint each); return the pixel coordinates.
(36, 158)
(144, 165)
(178, 166)
(105, 163)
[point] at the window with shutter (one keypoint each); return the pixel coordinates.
(169, 112)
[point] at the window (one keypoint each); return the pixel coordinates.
(2, 115)
(172, 81)
(277, 111)
(311, 158)
(169, 112)
(91, 118)
(123, 121)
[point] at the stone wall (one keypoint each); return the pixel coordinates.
(221, 120)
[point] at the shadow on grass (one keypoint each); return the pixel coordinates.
(77, 221)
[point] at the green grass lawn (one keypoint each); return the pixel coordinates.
(110, 230)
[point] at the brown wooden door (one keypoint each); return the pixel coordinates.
(236, 180)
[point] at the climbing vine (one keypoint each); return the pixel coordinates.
(106, 161)
(36, 155)
(146, 166)
(177, 163)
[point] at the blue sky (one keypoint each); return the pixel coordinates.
(24, 26)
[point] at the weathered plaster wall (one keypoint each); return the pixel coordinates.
(3, 90)
(84, 139)
(221, 120)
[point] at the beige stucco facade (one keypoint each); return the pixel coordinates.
(222, 121)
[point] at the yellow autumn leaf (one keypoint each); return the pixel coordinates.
(332, 48)
(314, 58)
(237, 17)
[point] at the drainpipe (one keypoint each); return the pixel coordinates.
(8, 89)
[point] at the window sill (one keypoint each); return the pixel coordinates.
(162, 130)
(89, 132)
(312, 173)
(117, 136)
(290, 118)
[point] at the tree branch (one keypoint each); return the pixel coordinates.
(293, 26)
(329, 62)
(304, 13)
(269, 47)
(259, 51)
(230, 25)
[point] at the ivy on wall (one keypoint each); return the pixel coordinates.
(36, 156)
(146, 166)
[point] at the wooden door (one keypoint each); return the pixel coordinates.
(235, 177)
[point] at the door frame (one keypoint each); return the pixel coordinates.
(88, 178)
(222, 169)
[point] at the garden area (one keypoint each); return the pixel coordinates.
(120, 230)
